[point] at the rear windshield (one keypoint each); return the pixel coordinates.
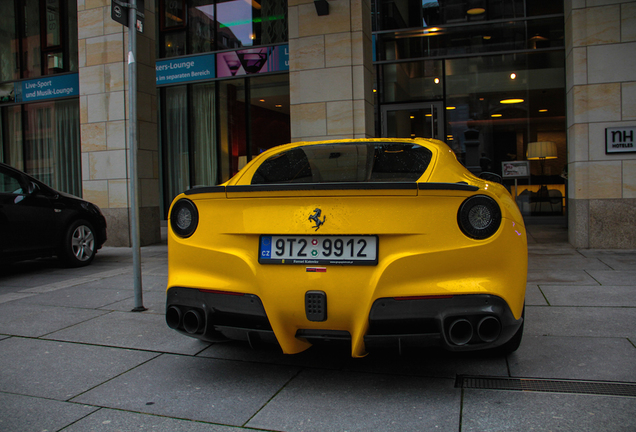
(345, 162)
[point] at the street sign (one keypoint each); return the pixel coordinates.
(119, 12)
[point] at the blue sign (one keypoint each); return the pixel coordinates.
(54, 86)
(185, 69)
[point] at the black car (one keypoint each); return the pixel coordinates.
(38, 221)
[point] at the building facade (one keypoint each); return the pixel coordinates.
(529, 90)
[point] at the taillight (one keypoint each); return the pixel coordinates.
(184, 218)
(479, 217)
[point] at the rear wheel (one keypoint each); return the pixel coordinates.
(78, 247)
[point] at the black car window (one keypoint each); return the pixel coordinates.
(345, 162)
(10, 184)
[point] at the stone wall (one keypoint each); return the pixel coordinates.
(331, 70)
(103, 69)
(601, 93)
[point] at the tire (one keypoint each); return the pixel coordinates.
(79, 244)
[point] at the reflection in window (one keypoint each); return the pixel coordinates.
(258, 22)
(348, 162)
(403, 14)
(502, 103)
(413, 81)
(269, 112)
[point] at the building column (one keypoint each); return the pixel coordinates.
(601, 94)
(104, 116)
(330, 70)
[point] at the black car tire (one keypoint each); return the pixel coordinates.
(79, 244)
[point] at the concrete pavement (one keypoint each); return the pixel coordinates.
(74, 358)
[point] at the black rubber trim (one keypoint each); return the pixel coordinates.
(205, 189)
(322, 186)
(414, 321)
(447, 186)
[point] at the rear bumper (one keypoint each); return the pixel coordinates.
(457, 323)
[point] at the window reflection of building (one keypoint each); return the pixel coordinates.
(474, 55)
(39, 38)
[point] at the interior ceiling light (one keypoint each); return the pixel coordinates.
(262, 100)
(436, 80)
(428, 115)
(476, 11)
(543, 110)
(511, 101)
(496, 115)
(451, 108)
(487, 37)
(513, 75)
(412, 117)
(278, 106)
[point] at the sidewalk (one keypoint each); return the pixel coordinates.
(74, 358)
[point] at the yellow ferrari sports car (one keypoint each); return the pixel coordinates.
(377, 242)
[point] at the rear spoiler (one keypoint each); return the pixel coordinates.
(461, 186)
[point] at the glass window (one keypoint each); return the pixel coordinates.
(201, 26)
(175, 148)
(232, 130)
(52, 144)
(269, 112)
(252, 23)
(413, 81)
(403, 14)
(503, 102)
(9, 184)
(204, 134)
(9, 66)
(12, 137)
(31, 49)
(350, 162)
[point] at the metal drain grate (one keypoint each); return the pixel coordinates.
(547, 385)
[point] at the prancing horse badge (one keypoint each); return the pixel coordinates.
(316, 218)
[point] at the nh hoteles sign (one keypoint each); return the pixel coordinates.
(620, 140)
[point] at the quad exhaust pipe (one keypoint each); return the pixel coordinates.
(192, 321)
(461, 331)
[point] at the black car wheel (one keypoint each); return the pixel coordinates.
(78, 248)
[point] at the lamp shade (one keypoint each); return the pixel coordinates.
(541, 150)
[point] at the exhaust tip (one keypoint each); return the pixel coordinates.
(460, 332)
(173, 317)
(192, 321)
(489, 329)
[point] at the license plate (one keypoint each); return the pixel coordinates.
(341, 250)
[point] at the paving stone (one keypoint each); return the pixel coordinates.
(430, 362)
(619, 296)
(321, 356)
(25, 414)
(107, 420)
(126, 282)
(502, 411)
(334, 400)
(190, 388)
(560, 277)
(534, 296)
(82, 296)
(154, 301)
(580, 321)
(603, 359)
(614, 278)
(38, 320)
(550, 262)
(59, 370)
(134, 330)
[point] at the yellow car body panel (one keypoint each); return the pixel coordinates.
(422, 251)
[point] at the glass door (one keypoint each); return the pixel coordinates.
(422, 120)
